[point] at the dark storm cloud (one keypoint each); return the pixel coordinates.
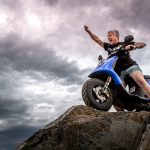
(11, 4)
(12, 112)
(135, 13)
(141, 13)
(11, 138)
(50, 2)
(32, 57)
(77, 4)
(11, 108)
(71, 4)
(26, 58)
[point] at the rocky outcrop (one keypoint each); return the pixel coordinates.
(84, 128)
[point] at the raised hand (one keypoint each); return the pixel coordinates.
(130, 47)
(86, 28)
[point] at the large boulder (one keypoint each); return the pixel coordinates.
(84, 128)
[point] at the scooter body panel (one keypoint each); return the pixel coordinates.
(107, 67)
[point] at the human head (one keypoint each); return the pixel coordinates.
(113, 36)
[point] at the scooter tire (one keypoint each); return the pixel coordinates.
(89, 97)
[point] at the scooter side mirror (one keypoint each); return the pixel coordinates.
(100, 57)
(128, 38)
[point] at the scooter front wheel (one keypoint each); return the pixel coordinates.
(95, 96)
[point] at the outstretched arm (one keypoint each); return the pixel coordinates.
(136, 45)
(140, 44)
(94, 37)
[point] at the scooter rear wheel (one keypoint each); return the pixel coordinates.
(94, 96)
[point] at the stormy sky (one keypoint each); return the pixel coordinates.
(46, 56)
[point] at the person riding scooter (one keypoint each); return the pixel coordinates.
(125, 65)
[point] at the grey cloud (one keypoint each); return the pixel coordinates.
(71, 4)
(50, 2)
(28, 57)
(12, 137)
(77, 4)
(141, 13)
(12, 5)
(72, 89)
(133, 14)
(13, 111)
(11, 108)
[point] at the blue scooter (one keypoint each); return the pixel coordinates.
(105, 88)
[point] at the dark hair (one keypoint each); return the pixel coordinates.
(115, 32)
